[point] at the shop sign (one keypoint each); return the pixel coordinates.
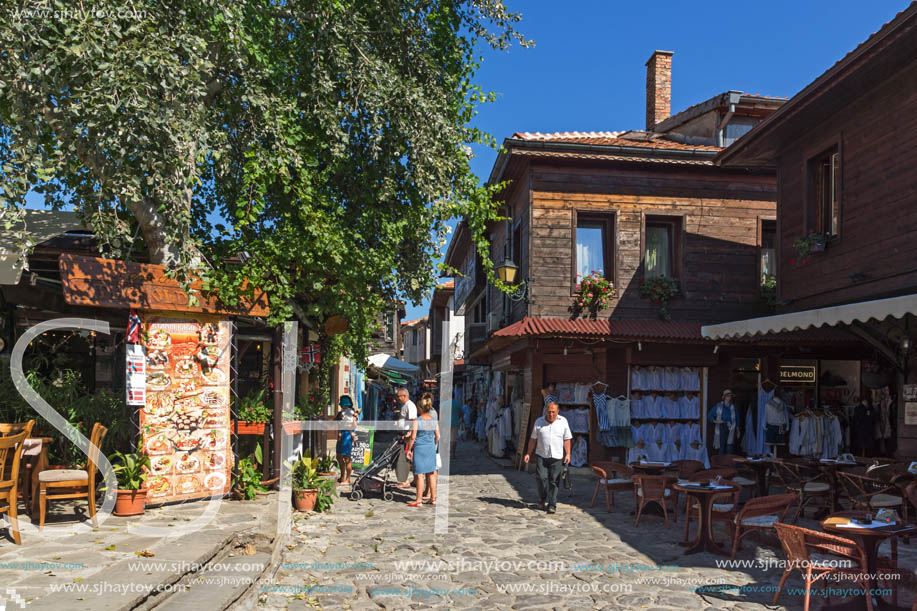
(185, 418)
(910, 414)
(910, 392)
(136, 375)
(797, 374)
(362, 452)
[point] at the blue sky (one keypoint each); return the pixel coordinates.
(587, 69)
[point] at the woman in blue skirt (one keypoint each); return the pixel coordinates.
(345, 447)
(421, 449)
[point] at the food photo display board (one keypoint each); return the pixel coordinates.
(185, 417)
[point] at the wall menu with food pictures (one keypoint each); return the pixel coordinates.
(185, 417)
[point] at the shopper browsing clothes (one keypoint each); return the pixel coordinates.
(723, 417)
(407, 413)
(421, 449)
(551, 443)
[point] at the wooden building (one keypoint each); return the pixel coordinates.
(633, 206)
(843, 150)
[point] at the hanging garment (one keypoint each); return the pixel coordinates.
(621, 411)
(671, 378)
(580, 421)
(601, 411)
(763, 398)
(699, 454)
(668, 408)
(579, 453)
(581, 393)
(689, 407)
(654, 378)
(652, 406)
(690, 379)
(637, 379)
(636, 407)
(748, 443)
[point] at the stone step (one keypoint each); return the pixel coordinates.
(220, 585)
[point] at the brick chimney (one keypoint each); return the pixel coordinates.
(658, 88)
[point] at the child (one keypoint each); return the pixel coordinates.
(345, 447)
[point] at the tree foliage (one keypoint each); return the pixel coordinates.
(319, 146)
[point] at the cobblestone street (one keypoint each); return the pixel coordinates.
(490, 522)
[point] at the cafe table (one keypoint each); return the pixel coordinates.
(869, 539)
(650, 468)
(704, 496)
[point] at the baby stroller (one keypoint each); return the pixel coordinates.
(370, 480)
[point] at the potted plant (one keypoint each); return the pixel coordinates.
(812, 242)
(247, 484)
(596, 293)
(131, 471)
(325, 466)
(253, 414)
(310, 490)
(769, 292)
(660, 290)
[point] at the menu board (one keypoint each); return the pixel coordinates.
(185, 417)
(362, 452)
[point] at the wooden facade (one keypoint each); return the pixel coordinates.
(864, 110)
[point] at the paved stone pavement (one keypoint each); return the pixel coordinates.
(350, 557)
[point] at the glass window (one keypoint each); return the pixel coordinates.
(827, 192)
(768, 248)
(736, 128)
(658, 258)
(590, 248)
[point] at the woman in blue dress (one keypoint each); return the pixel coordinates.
(345, 446)
(421, 449)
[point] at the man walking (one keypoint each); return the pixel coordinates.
(551, 443)
(405, 422)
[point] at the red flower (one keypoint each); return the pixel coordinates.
(805, 261)
(792, 261)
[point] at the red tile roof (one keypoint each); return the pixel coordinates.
(407, 323)
(637, 329)
(610, 139)
(603, 157)
(448, 284)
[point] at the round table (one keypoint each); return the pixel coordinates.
(705, 496)
(869, 539)
(760, 467)
(650, 468)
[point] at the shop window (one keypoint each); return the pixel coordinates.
(768, 260)
(389, 325)
(594, 246)
(825, 205)
(661, 245)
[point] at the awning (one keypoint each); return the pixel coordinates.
(879, 309)
(39, 226)
(384, 362)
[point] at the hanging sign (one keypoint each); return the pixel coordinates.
(797, 374)
(185, 418)
(311, 354)
(910, 414)
(136, 375)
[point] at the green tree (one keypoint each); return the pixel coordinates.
(319, 146)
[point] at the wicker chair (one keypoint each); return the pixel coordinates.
(653, 489)
(614, 477)
(723, 461)
(813, 553)
(869, 494)
(724, 509)
(804, 482)
(728, 461)
(760, 513)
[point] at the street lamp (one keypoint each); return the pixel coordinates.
(508, 272)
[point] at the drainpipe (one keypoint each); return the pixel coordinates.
(733, 98)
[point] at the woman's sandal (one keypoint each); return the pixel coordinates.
(415, 504)
(429, 502)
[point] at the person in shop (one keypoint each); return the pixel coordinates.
(864, 422)
(407, 414)
(549, 392)
(421, 450)
(550, 442)
(455, 422)
(724, 418)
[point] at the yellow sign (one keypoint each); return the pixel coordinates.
(797, 374)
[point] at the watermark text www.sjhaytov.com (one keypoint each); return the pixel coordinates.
(77, 14)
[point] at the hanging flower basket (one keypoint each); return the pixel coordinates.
(251, 428)
(596, 293)
(660, 290)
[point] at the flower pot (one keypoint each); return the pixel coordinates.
(292, 427)
(304, 500)
(251, 428)
(817, 246)
(130, 502)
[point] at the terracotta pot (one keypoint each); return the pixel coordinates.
(291, 427)
(251, 428)
(130, 502)
(304, 500)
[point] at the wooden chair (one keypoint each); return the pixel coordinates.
(27, 459)
(72, 483)
(724, 509)
(723, 461)
(810, 551)
(614, 477)
(10, 453)
(804, 482)
(653, 489)
(707, 475)
(760, 513)
(687, 468)
(869, 494)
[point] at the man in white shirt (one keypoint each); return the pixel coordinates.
(551, 443)
(405, 421)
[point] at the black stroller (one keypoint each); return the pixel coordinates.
(371, 480)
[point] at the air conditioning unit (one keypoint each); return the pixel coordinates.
(494, 321)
